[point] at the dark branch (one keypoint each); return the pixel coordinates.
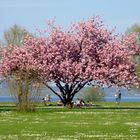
(61, 88)
(78, 88)
(52, 90)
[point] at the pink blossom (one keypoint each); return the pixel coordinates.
(86, 54)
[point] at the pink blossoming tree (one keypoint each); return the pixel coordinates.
(18, 67)
(85, 54)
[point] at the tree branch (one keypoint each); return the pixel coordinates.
(78, 88)
(61, 88)
(52, 90)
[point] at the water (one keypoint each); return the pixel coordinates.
(54, 99)
(123, 99)
(12, 99)
(7, 99)
(127, 96)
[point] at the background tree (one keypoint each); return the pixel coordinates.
(18, 69)
(135, 29)
(92, 94)
(20, 85)
(15, 35)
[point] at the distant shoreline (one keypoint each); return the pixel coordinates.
(54, 98)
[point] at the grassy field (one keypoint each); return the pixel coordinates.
(104, 122)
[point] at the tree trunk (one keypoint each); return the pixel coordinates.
(67, 99)
(19, 86)
(67, 102)
(67, 91)
(23, 91)
(26, 92)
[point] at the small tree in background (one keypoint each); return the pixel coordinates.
(15, 36)
(19, 82)
(18, 69)
(135, 29)
(92, 94)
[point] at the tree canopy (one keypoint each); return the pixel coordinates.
(15, 35)
(87, 53)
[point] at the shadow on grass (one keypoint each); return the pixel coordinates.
(114, 108)
(57, 108)
(7, 109)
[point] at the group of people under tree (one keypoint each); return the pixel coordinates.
(80, 102)
(77, 103)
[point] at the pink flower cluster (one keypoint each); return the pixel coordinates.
(86, 53)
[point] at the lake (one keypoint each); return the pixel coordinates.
(54, 98)
(127, 96)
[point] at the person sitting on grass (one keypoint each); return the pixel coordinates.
(82, 102)
(59, 103)
(78, 103)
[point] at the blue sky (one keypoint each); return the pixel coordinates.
(29, 13)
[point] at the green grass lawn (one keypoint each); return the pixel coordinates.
(104, 122)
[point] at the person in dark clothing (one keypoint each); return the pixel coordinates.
(118, 97)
